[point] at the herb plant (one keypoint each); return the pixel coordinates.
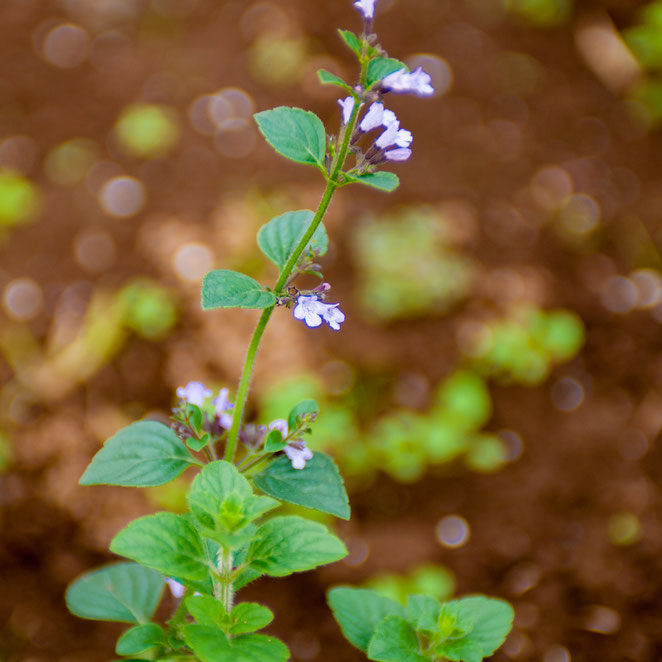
(230, 535)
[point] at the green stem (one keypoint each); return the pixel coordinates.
(224, 564)
(251, 354)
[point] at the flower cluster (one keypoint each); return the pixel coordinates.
(296, 450)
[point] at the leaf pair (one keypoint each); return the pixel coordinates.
(466, 630)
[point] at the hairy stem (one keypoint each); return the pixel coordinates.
(251, 354)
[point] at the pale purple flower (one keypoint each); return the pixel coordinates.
(281, 425)
(398, 154)
(367, 8)
(312, 311)
(416, 82)
(176, 588)
(347, 106)
(194, 393)
(377, 116)
(298, 453)
(388, 137)
(333, 316)
(221, 402)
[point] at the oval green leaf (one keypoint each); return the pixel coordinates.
(318, 486)
(143, 454)
(223, 288)
(140, 638)
(123, 592)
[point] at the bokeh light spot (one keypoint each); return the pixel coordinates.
(453, 531)
(619, 295)
(602, 620)
(122, 196)
(556, 654)
(567, 394)
(94, 250)
(580, 214)
(18, 153)
(69, 162)
(22, 299)
(192, 261)
(66, 46)
(147, 130)
(624, 529)
(235, 138)
(19, 199)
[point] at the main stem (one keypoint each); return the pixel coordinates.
(251, 353)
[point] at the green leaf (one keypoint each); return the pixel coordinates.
(198, 444)
(327, 78)
(306, 410)
(297, 134)
(144, 454)
(166, 542)
(124, 592)
(485, 621)
(423, 612)
(381, 67)
(382, 180)
(140, 638)
(206, 610)
(318, 486)
(395, 641)
(351, 40)
(274, 442)
(222, 501)
(223, 288)
(464, 650)
(284, 545)
(359, 611)
(281, 235)
(211, 645)
(248, 617)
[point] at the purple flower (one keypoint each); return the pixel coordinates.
(398, 154)
(377, 116)
(347, 106)
(416, 82)
(312, 311)
(279, 424)
(367, 8)
(194, 393)
(176, 588)
(298, 453)
(221, 406)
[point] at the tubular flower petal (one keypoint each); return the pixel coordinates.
(388, 137)
(221, 402)
(298, 453)
(416, 82)
(347, 106)
(398, 154)
(377, 116)
(194, 393)
(367, 8)
(312, 311)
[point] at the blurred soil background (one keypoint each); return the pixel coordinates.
(495, 395)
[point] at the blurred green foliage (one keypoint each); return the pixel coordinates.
(434, 580)
(5, 452)
(19, 200)
(524, 346)
(149, 309)
(624, 529)
(429, 277)
(541, 13)
(147, 131)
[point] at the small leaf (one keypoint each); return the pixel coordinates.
(140, 638)
(206, 610)
(464, 650)
(284, 545)
(297, 134)
(249, 617)
(382, 180)
(351, 40)
(304, 409)
(359, 611)
(381, 67)
(211, 645)
(486, 621)
(223, 288)
(395, 641)
(198, 444)
(124, 592)
(143, 454)
(318, 486)
(274, 442)
(423, 612)
(166, 542)
(281, 235)
(327, 78)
